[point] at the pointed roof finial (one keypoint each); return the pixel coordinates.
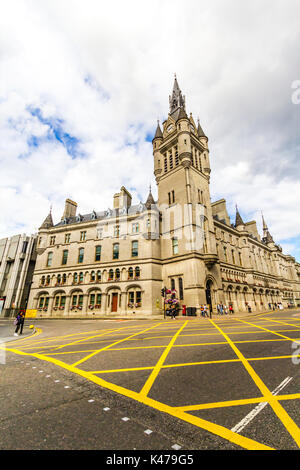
(238, 218)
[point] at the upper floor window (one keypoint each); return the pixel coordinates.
(65, 257)
(67, 237)
(83, 236)
(171, 197)
(135, 228)
(117, 230)
(49, 259)
(176, 157)
(52, 240)
(175, 246)
(180, 283)
(134, 248)
(80, 255)
(24, 247)
(116, 251)
(98, 253)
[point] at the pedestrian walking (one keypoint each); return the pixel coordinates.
(202, 310)
(221, 309)
(19, 322)
(225, 310)
(231, 311)
(205, 311)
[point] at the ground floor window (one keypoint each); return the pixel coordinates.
(134, 298)
(95, 300)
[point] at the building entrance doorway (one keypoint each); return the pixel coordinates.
(114, 302)
(208, 295)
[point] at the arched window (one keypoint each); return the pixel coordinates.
(93, 276)
(58, 278)
(172, 284)
(110, 274)
(48, 280)
(130, 273)
(117, 274)
(64, 278)
(75, 278)
(43, 280)
(99, 276)
(81, 277)
(137, 272)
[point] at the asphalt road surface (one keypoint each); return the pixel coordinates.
(185, 384)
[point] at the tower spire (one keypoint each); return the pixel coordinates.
(176, 100)
(267, 237)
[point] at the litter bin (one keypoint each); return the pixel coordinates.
(184, 310)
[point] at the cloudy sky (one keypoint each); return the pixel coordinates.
(82, 84)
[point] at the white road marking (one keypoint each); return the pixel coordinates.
(250, 416)
(176, 447)
(148, 431)
(125, 419)
(91, 401)
(106, 409)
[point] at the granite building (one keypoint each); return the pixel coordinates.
(116, 261)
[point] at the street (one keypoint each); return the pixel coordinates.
(186, 384)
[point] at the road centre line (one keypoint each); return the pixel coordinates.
(216, 429)
(286, 420)
(250, 416)
(106, 347)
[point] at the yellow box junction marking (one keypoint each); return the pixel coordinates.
(286, 420)
(179, 412)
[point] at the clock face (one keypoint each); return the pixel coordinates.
(169, 128)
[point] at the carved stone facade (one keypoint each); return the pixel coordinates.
(116, 262)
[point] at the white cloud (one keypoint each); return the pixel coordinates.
(104, 71)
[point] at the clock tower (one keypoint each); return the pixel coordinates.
(182, 172)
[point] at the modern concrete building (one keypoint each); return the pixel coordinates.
(17, 261)
(118, 260)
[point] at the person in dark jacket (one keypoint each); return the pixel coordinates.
(20, 322)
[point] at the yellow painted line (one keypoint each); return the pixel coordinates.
(146, 388)
(222, 404)
(131, 369)
(90, 337)
(285, 323)
(216, 429)
(286, 420)
(70, 335)
(186, 364)
(116, 342)
(41, 344)
(270, 331)
(16, 342)
(225, 404)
